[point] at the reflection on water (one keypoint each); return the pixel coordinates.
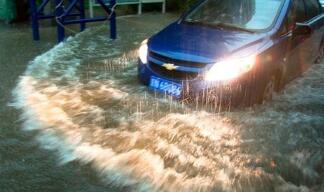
(84, 100)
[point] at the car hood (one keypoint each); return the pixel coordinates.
(202, 44)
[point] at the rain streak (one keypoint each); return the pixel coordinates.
(84, 101)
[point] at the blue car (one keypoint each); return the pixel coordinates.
(234, 50)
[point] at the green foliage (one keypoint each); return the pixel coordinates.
(188, 4)
(7, 10)
(180, 5)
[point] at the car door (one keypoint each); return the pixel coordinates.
(295, 43)
(314, 18)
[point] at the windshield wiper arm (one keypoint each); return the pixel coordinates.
(195, 22)
(229, 26)
(218, 25)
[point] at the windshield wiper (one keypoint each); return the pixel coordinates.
(195, 22)
(229, 26)
(218, 25)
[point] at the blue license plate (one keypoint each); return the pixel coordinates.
(165, 86)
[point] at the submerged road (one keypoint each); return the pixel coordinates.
(82, 122)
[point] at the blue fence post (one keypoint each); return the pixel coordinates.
(82, 15)
(63, 16)
(58, 16)
(113, 30)
(34, 17)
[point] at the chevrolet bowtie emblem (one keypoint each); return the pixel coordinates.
(170, 66)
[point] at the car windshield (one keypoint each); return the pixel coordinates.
(252, 15)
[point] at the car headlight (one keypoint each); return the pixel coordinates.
(143, 52)
(230, 69)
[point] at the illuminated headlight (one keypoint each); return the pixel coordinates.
(230, 69)
(143, 52)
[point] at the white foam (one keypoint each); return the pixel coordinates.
(169, 148)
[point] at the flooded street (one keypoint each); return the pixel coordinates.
(82, 103)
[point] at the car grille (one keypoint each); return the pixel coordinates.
(176, 75)
(177, 62)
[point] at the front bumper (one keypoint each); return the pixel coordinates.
(198, 87)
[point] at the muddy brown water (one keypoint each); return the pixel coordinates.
(84, 123)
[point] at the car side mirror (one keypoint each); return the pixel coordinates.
(303, 29)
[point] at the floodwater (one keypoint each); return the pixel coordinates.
(82, 102)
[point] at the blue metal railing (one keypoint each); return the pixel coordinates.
(63, 12)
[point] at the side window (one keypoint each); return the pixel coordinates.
(312, 8)
(299, 15)
(288, 23)
(283, 29)
(295, 14)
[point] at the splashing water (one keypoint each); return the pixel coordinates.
(84, 101)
